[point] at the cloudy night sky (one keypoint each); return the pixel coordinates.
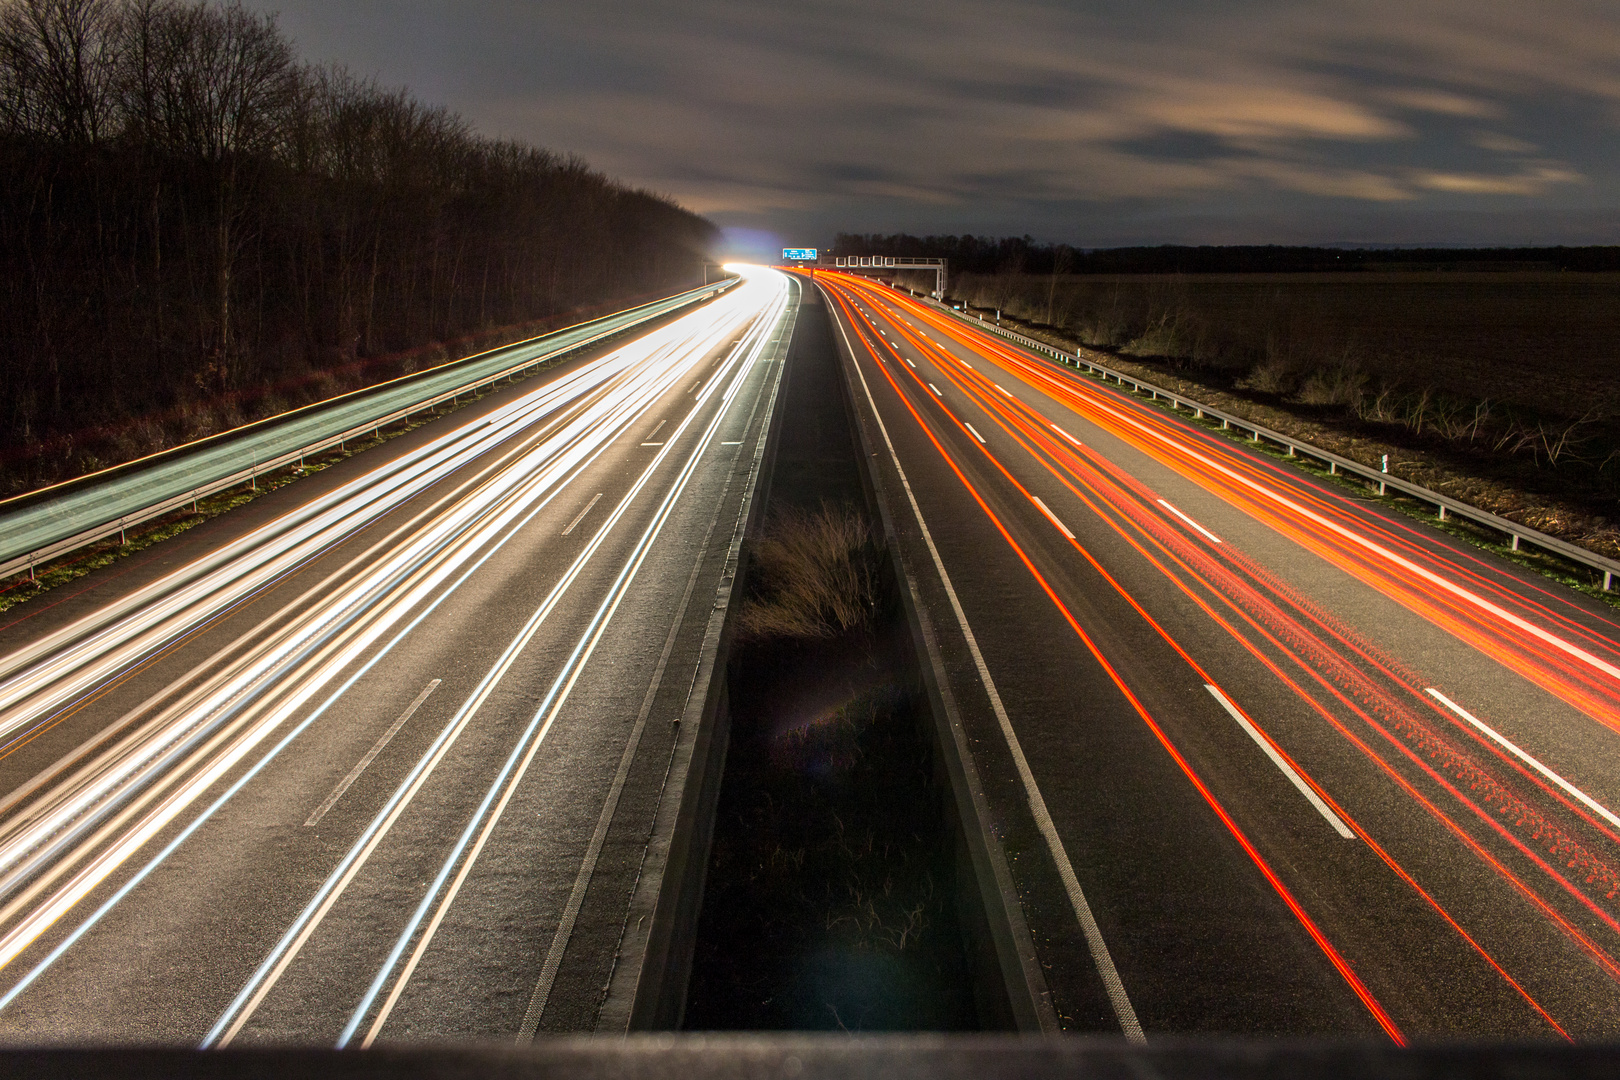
(1096, 123)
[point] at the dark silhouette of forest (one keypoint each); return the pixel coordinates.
(1026, 255)
(197, 229)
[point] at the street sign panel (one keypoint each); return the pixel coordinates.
(798, 254)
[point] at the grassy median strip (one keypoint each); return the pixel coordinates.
(830, 898)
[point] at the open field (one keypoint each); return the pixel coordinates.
(1547, 341)
(1499, 388)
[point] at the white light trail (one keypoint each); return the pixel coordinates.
(102, 814)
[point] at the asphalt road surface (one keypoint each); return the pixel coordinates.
(1267, 756)
(377, 756)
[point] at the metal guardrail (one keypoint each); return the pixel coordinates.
(40, 525)
(1446, 505)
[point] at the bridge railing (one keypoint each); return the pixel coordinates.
(42, 525)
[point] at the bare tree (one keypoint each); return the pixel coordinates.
(58, 63)
(194, 228)
(213, 86)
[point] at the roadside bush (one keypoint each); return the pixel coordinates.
(1338, 384)
(1275, 375)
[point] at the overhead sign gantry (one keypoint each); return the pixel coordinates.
(879, 264)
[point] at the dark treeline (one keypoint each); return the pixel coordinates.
(1023, 255)
(196, 229)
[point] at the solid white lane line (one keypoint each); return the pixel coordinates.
(1212, 537)
(1066, 435)
(371, 755)
(339, 502)
(935, 389)
(507, 781)
(1062, 528)
(975, 431)
(218, 769)
(1118, 998)
(576, 899)
(1282, 763)
(581, 515)
(156, 817)
(174, 803)
(236, 570)
(1502, 741)
(292, 942)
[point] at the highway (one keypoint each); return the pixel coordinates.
(376, 756)
(1266, 756)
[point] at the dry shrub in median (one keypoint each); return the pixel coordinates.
(816, 576)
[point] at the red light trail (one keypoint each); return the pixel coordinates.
(1279, 626)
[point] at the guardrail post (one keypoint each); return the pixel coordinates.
(1333, 468)
(1608, 579)
(1515, 546)
(1442, 511)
